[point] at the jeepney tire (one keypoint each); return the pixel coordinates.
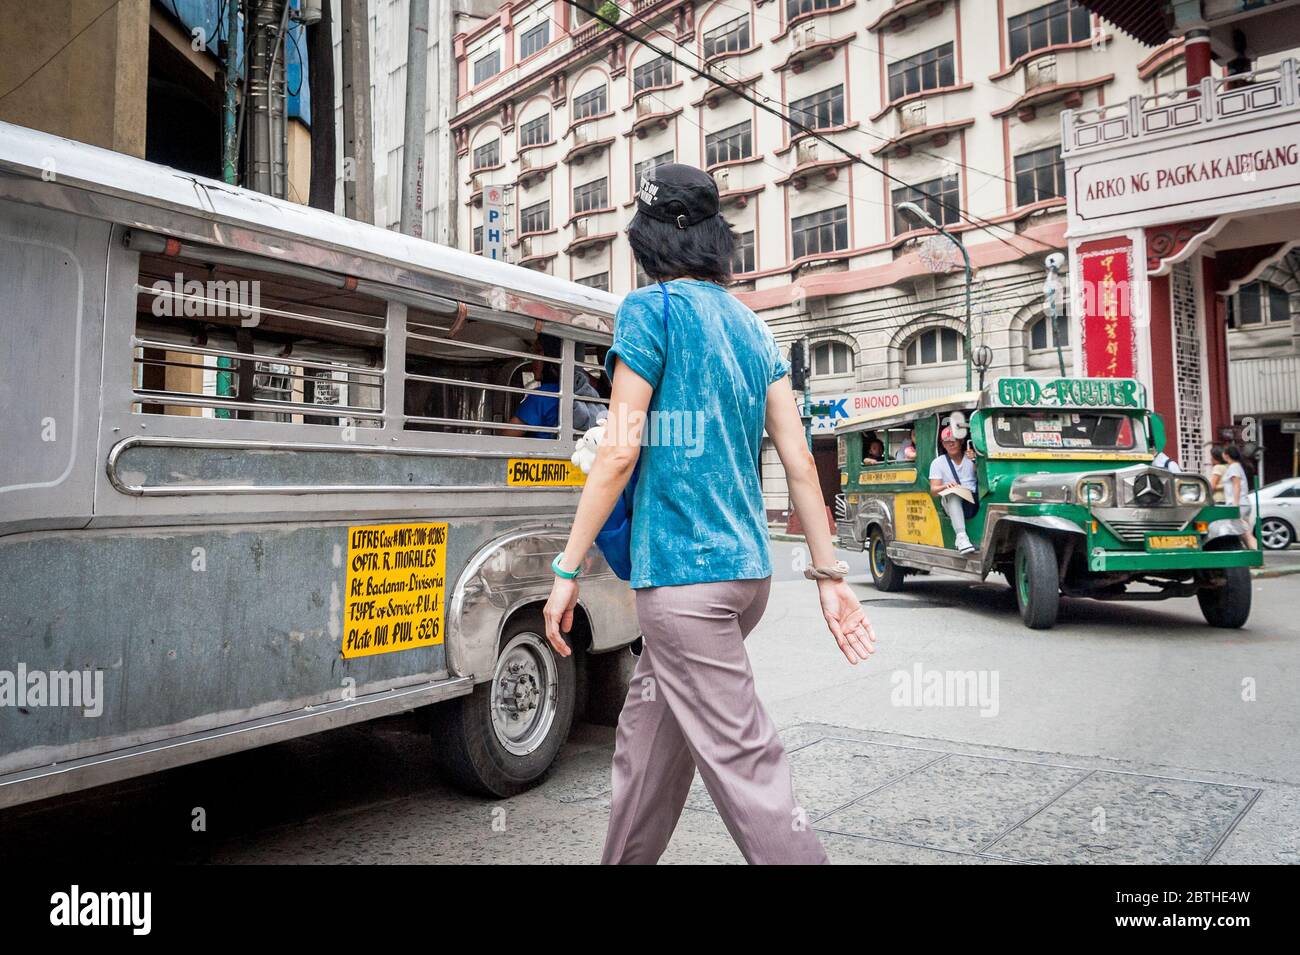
(1037, 582)
(885, 574)
(1227, 606)
(465, 743)
(608, 676)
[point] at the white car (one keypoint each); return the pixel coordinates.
(1279, 513)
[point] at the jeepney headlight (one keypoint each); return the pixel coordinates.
(1190, 492)
(1095, 492)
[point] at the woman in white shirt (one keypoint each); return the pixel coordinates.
(1236, 491)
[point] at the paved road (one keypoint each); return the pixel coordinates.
(1129, 733)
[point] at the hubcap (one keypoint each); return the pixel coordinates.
(1022, 578)
(1275, 534)
(878, 555)
(524, 691)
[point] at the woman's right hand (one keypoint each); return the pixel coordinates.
(846, 619)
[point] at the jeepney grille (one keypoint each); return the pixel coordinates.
(1134, 532)
(841, 508)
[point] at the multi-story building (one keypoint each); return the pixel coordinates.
(954, 104)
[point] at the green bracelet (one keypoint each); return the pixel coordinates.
(560, 571)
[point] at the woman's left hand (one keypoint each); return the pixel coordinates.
(558, 613)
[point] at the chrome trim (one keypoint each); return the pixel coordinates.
(119, 764)
(173, 490)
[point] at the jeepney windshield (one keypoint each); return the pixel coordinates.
(1068, 431)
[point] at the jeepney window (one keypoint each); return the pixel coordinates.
(1067, 431)
(231, 342)
(470, 377)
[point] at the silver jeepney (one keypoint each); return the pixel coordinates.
(207, 398)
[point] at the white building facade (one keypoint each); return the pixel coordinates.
(961, 100)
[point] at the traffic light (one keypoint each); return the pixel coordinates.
(798, 366)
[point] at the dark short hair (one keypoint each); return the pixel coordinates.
(1232, 453)
(664, 251)
(1216, 453)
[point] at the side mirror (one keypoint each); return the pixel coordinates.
(1156, 432)
(977, 431)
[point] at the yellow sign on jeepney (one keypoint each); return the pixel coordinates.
(916, 521)
(887, 476)
(396, 585)
(543, 472)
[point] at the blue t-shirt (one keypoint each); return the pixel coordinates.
(698, 512)
(539, 411)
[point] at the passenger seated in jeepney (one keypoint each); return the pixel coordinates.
(540, 410)
(908, 451)
(949, 471)
(875, 449)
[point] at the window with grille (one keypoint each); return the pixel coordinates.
(934, 346)
(534, 39)
(930, 70)
(794, 8)
(478, 238)
(1039, 175)
(536, 218)
(642, 278)
(591, 195)
(820, 110)
(489, 154)
(486, 67)
(591, 103)
(831, 358)
(938, 197)
(1063, 21)
(535, 131)
(658, 72)
(645, 165)
(731, 36)
(734, 142)
(742, 257)
(600, 280)
(818, 232)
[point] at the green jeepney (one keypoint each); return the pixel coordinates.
(1069, 501)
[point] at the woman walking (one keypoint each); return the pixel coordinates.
(1236, 492)
(704, 372)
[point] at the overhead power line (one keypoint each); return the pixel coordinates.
(740, 92)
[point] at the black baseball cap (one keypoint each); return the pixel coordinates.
(677, 193)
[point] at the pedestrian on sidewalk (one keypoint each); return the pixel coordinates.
(705, 372)
(1236, 492)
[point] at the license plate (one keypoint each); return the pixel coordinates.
(1173, 542)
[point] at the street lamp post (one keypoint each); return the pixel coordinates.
(923, 217)
(1052, 292)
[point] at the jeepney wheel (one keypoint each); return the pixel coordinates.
(1037, 584)
(1276, 534)
(885, 574)
(1227, 605)
(502, 738)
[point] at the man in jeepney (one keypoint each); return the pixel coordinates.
(952, 481)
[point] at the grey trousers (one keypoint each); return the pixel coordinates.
(691, 703)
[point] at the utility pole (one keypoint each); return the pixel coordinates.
(230, 108)
(417, 76)
(358, 161)
(442, 175)
(324, 146)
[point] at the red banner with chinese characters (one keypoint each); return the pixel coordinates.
(1109, 345)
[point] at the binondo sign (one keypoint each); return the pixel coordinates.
(1262, 161)
(829, 409)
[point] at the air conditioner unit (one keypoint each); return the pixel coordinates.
(722, 178)
(525, 248)
(582, 134)
(912, 116)
(581, 228)
(526, 161)
(1040, 72)
(806, 151)
(645, 106)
